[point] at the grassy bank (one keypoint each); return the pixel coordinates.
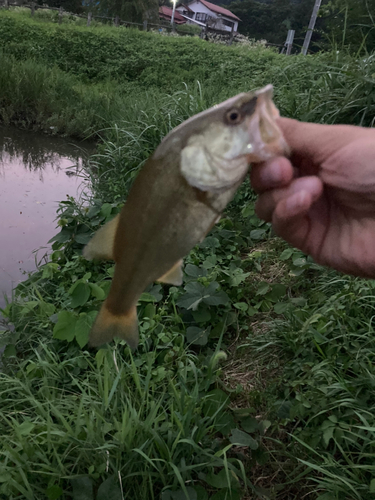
(81, 80)
(253, 379)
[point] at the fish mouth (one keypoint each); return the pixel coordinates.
(268, 140)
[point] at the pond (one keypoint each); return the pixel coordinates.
(36, 173)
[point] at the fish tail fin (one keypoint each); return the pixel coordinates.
(108, 325)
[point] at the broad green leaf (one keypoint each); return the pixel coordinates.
(54, 492)
(197, 336)
(63, 236)
(328, 435)
(242, 306)
(219, 480)
(252, 311)
(263, 288)
(250, 424)
(248, 210)
(240, 438)
(281, 307)
(83, 238)
(226, 494)
(83, 327)
(195, 288)
(146, 297)
(49, 269)
(284, 410)
(97, 291)
(224, 422)
(82, 488)
(257, 234)
(94, 210)
(106, 210)
(286, 254)
(110, 490)
(210, 242)
(149, 311)
(46, 309)
(80, 293)
(217, 400)
(65, 326)
(202, 314)
(195, 271)
(156, 292)
(217, 299)
(188, 301)
(372, 486)
(10, 351)
(277, 292)
(299, 262)
(264, 425)
(201, 492)
(29, 306)
(180, 494)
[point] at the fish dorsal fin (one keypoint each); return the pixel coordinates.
(101, 245)
(173, 276)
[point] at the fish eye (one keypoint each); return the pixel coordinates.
(233, 117)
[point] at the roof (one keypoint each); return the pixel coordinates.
(166, 13)
(219, 10)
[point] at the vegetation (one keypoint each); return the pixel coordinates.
(253, 379)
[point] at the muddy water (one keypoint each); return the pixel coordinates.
(36, 172)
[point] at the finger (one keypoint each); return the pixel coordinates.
(277, 172)
(311, 144)
(268, 201)
(290, 220)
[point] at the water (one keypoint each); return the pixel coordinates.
(36, 172)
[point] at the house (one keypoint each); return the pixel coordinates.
(201, 12)
(166, 14)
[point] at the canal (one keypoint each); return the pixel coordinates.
(36, 173)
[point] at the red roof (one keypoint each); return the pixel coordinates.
(219, 10)
(166, 13)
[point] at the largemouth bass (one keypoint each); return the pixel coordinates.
(176, 199)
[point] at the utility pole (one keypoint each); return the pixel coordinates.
(311, 27)
(173, 11)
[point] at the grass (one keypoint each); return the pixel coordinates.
(263, 388)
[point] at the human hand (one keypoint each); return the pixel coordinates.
(322, 200)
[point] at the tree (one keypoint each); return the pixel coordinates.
(350, 23)
(130, 10)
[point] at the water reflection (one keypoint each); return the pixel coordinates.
(36, 172)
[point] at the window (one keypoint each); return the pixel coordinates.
(201, 16)
(227, 23)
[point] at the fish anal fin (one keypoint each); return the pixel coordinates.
(173, 276)
(108, 325)
(101, 244)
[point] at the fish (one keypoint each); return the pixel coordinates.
(176, 199)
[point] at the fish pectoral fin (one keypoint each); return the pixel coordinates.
(108, 325)
(101, 244)
(173, 276)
